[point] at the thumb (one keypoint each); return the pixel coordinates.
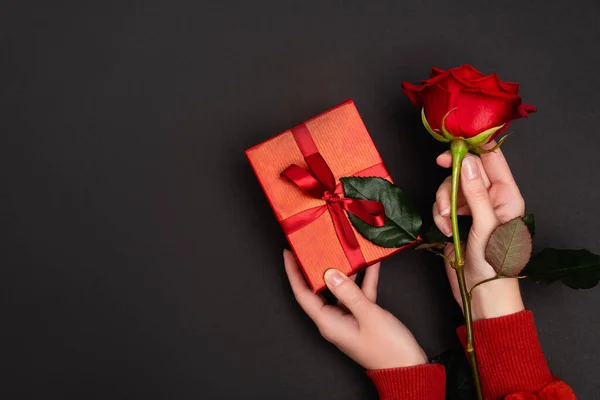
(347, 292)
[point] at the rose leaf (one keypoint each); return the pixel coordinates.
(509, 248)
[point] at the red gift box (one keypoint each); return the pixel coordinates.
(299, 171)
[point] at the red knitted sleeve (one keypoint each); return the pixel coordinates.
(423, 382)
(511, 362)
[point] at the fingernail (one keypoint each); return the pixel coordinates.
(333, 277)
(444, 208)
(470, 168)
(447, 228)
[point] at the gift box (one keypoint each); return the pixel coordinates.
(299, 171)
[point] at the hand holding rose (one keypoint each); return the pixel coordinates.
(488, 193)
(468, 109)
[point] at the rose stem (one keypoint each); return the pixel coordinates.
(459, 150)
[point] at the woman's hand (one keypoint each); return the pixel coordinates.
(365, 332)
(490, 194)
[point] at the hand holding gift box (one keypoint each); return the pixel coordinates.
(300, 172)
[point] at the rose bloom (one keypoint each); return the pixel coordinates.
(478, 101)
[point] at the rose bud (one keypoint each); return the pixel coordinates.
(464, 103)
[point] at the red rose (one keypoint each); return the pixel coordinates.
(478, 102)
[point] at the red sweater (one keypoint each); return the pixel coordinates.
(510, 360)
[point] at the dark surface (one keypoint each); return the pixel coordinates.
(140, 258)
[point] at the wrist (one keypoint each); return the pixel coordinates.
(410, 358)
(496, 298)
(418, 357)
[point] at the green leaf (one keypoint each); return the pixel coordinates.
(459, 378)
(578, 269)
(402, 221)
(434, 235)
(509, 248)
(530, 222)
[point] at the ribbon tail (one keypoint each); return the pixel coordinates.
(343, 227)
(346, 236)
(370, 211)
(300, 220)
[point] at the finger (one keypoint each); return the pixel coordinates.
(311, 303)
(476, 194)
(442, 198)
(445, 160)
(340, 305)
(451, 272)
(348, 293)
(370, 281)
(496, 166)
(499, 172)
(443, 223)
(512, 207)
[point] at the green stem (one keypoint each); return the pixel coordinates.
(459, 150)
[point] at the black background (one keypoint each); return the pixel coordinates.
(140, 258)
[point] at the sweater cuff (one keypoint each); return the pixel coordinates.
(423, 382)
(509, 355)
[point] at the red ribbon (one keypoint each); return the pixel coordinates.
(320, 184)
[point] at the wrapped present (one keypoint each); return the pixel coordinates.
(299, 171)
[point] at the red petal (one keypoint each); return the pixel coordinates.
(507, 87)
(436, 71)
(502, 95)
(412, 91)
(493, 83)
(510, 87)
(462, 82)
(437, 78)
(490, 82)
(467, 71)
(455, 82)
(479, 111)
(526, 109)
(436, 101)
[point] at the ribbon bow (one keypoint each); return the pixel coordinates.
(320, 184)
